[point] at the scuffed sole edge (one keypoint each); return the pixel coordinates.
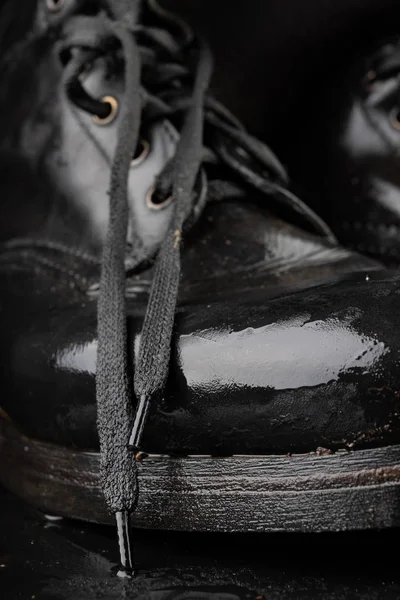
(343, 491)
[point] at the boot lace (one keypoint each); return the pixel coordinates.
(167, 74)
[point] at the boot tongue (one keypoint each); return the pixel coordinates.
(80, 165)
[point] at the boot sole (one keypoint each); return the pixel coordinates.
(342, 491)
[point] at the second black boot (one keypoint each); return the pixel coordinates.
(347, 161)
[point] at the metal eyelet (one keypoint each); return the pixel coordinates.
(114, 106)
(144, 149)
(155, 204)
(54, 5)
(395, 118)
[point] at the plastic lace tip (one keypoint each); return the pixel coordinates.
(126, 568)
(124, 573)
(139, 423)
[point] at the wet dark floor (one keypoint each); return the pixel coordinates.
(68, 560)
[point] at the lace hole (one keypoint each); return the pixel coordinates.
(113, 111)
(155, 201)
(142, 152)
(54, 5)
(395, 118)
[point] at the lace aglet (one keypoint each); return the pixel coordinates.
(139, 423)
(126, 569)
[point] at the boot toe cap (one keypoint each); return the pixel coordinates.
(317, 368)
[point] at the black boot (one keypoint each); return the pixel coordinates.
(245, 366)
(349, 159)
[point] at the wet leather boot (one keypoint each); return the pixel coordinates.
(183, 341)
(351, 144)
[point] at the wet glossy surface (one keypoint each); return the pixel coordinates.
(61, 560)
(260, 372)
